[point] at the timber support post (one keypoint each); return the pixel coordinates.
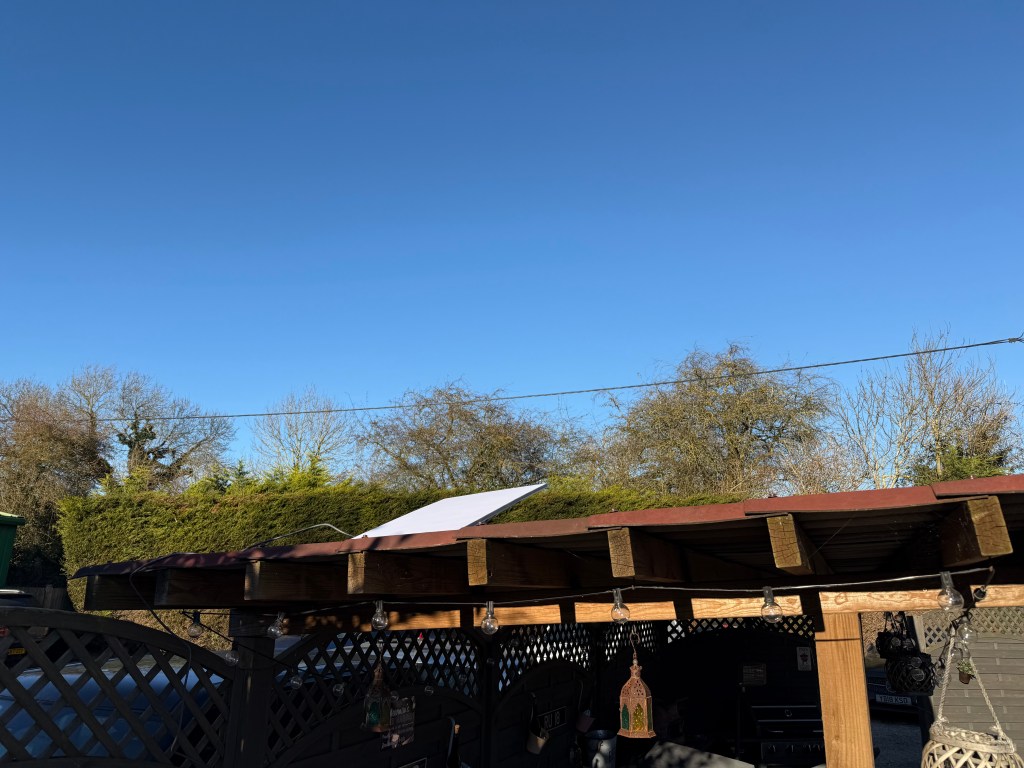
(250, 702)
(844, 694)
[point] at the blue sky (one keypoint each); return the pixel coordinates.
(245, 198)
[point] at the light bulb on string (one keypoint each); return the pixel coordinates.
(379, 621)
(620, 611)
(196, 628)
(965, 632)
(231, 658)
(276, 629)
(294, 682)
(948, 598)
(489, 624)
(771, 611)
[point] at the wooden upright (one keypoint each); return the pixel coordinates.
(844, 693)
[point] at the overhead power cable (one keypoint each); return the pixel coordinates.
(587, 391)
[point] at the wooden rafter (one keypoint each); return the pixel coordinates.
(793, 552)
(276, 581)
(195, 588)
(975, 532)
(390, 573)
(638, 555)
(500, 564)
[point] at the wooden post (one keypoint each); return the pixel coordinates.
(246, 743)
(844, 692)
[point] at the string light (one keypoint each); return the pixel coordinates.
(196, 628)
(948, 598)
(231, 658)
(276, 629)
(489, 624)
(620, 611)
(771, 611)
(379, 621)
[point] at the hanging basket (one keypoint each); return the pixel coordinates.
(913, 673)
(952, 747)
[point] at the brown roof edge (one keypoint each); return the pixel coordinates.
(710, 513)
(981, 486)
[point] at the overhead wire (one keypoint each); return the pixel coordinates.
(584, 391)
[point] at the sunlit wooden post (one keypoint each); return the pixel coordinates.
(844, 693)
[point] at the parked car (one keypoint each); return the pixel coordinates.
(21, 725)
(883, 701)
(14, 598)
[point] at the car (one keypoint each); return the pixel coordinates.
(14, 598)
(883, 701)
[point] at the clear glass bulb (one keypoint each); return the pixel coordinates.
(338, 689)
(771, 611)
(965, 633)
(489, 624)
(620, 611)
(276, 629)
(294, 682)
(949, 599)
(379, 621)
(917, 675)
(195, 630)
(231, 658)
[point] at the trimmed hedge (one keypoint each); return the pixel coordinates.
(124, 525)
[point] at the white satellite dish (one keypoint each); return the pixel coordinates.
(456, 512)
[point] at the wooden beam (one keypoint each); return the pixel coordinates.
(555, 612)
(389, 573)
(288, 582)
(119, 593)
(199, 588)
(640, 556)
(974, 533)
(793, 552)
(493, 563)
(844, 693)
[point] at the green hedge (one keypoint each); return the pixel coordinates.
(124, 525)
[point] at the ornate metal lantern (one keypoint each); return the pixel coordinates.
(377, 704)
(636, 710)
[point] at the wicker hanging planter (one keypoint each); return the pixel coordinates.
(952, 747)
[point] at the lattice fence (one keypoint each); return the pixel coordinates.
(325, 673)
(523, 648)
(1007, 622)
(802, 626)
(98, 688)
(616, 637)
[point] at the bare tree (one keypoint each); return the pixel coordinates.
(724, 429)
(935, 416)
(304, 429)
(452, 437)
(167, 441)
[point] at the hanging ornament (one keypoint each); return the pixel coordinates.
(636, 708)
(377, 704)
(379, 620)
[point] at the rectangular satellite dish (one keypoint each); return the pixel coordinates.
(456, 512)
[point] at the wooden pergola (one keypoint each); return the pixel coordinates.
(829, 556)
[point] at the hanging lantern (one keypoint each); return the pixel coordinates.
(636, 710)
(377, 704)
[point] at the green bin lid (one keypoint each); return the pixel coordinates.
(6, 519)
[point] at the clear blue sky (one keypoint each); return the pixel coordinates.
(244, 198)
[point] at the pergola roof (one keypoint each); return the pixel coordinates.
(826, 539)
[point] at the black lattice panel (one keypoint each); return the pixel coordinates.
(326, 672)
(802, 626)
(616, 637)
(98, 688)
(523, 648)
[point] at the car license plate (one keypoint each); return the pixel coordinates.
(882, 698)
(15, 651)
